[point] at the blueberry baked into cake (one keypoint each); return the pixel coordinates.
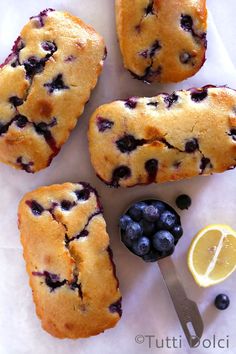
(161, 40)
(164, 138)
(45, 83)
(68, 259)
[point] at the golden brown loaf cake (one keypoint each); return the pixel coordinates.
(161, 40)
(45, 83)
(164, 138)
(68, 259)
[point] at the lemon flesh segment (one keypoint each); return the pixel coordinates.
(204, 251)
(212, 255)
(226, 260)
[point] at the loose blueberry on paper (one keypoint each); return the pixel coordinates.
(151, 229)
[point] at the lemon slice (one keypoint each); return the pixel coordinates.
(212, 255)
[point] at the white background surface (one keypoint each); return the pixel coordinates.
(147, 308)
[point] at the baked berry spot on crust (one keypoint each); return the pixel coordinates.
(74, 285)
(116, 307)
(110, 254)
(51, 280)
(150, 74)
(233, 134)
(205, 162)
(131, 102)
(43, 129)
(21, 121)
(4, 127)
(104, 124)
(186, 22)
(151, 52)
(49, 47)
(171, 99)
(186, 58)
(149, 10)
(26, 166)
(41, 16)
(67, 205)
(35, 207)
(151, 166)
(128, 143)
(83, 194)
(16, 101)
(155, 104)
(191, 145)
(33, 66)
(154, 48)
(121, 172)
(13, 57)
(199, 95)
(84, 232)
(56, 84)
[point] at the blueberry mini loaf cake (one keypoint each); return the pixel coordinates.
(45, 83)
(68, 259)
(164, 138)
(161, 40)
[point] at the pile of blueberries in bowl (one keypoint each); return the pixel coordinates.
(151, 229)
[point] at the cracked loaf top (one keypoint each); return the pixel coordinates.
(68, 259)
(45, 83)
(162, 40)
(164, 138)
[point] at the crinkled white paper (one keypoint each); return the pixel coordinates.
(147, 307)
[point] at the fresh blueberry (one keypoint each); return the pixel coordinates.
(163, 241)
(142, 246)
(183, 201)
(150, 213)
(124, 221)
(159, 206)
(222, 302)
(136, 211)
(152, 256)
(167, 220)
(126, 240)
(149, 228)
(177, 231)
(133, 231)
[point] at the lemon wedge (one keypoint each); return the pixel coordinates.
(212, 255)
